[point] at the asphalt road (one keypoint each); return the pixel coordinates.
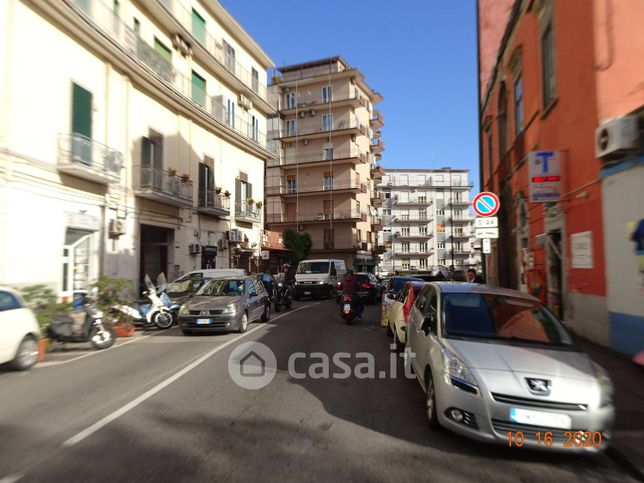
(164, 408)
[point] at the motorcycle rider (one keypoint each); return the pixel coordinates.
(349, 286)
(289, 277)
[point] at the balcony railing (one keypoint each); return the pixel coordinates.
(377, 223)
(416, 202)
(248, 213)
(377, 171)
(215, 48)
(338, 215)
(83, 157)
(334, 155)
(340, 243)
(306, 73)
(377, 145)
(377, 119)
(160, 185)
(107, 21)
(458, 203)
(310, 130)
(214, 203)
(336, 185)
(413, 219)
(418, 236)
(414, 184)
(322, 104)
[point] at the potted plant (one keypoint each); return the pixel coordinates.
(172, 172)
(259, 204)
(110, 292)
(227, 194)
(250, 201)
(218, 189)
(185, 178)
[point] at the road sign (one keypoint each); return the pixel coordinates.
(488, 222)
(487, 245)
(486, 204)
(545, 179)
(487, 233)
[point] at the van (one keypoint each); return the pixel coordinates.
(317, 278)
(179, 290)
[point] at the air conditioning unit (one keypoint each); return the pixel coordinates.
(235, 235)
(222, 245)
(244, 102)
(194, 248)
(353, 138)
(616, 138)
(302, 113)
(312, 112)
(116, 228)
(113, 161)
(305, 141)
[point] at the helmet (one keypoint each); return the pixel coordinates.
(287, 265)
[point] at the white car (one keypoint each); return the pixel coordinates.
(19, 331)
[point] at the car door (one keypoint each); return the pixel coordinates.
(262, 296)
(253, 299)
(416, 330)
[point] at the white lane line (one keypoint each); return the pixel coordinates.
(147, 395)
(11, 478)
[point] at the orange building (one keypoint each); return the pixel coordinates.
(562, 70)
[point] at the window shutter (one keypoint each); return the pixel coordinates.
(81, 111)
(237, 190)
(249, 190)
(146, 151)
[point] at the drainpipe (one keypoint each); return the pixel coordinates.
(478, 112)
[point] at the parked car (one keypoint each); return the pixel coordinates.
(389, 293)
(397, 316)
(494, 362)
(180, 290)
(19, 331)
(369, 288)
(225, 304)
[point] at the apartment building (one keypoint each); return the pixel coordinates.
(132, 140)
(426, 220)
(330, 141)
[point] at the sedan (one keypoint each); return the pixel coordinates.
(225, 304)
(390, 291)
(369, 288)
(497, 366)
(19, 331)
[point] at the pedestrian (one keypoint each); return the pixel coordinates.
(349, 287)
(473, 277)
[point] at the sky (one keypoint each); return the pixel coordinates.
(419, 54)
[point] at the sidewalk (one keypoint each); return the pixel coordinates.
(628, 378)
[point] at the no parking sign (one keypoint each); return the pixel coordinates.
(486, 203)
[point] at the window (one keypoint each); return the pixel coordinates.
(404, 231)
(289, 99)
(423, 230)
(230, 113)
(422, 199)
(405, 263)
(255, 80)
(198, 27)
(229, 53)
(162, 50)
(137, 26)
(440, 212)
(81, 125)
(327, 122)
(254, 128)
(502, 121)
(518, 105)
(423, 263)
(423, 247)
(243, 192)
(250, 288)
(198, 89)
(291, 185)
(404, 215)
(405, 247)
(327, 154)
(328, 180)
(548, 65)
(386, 212)
(206, 184)
(76, 260)
(328, 239)
(388, 195)
(8, 302)
(327, 94)
(458, 246)
(422, 215)
(152, 173)
(441, 244)
(441, 261)
(290, 127)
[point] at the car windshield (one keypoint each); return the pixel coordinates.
(499, 317)
(222, 287)
(397, 283)
(191, 284)
(313, 267)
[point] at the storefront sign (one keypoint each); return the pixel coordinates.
(266, 254)
(545, 177)
(82, 221)
(581, 249)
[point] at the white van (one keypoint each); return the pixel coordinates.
(317, 278)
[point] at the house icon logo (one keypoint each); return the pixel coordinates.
(252, 365)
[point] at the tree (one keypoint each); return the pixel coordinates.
(299, 243)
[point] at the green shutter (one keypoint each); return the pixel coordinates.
(198, 89)
(81, 111)
(162, 50)
(198, 27)
(238, 191)
(249, 190)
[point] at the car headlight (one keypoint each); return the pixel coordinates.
(229, 310)
(322, 282)
(458, 375)
(606, 388)
(280, 284)
(184, 310)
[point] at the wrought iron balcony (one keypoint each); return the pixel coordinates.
(377, 146)
(247, 213)
(85, 158)
(321, 130)
(377, 120)
(160, 185)
(341, 185)
(320, 157)
(337, 216)
(214, 204)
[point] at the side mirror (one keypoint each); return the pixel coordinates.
(429, 324)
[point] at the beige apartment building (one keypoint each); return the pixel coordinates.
(322, 181)
(132, 140)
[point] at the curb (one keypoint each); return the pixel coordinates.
(634, 465)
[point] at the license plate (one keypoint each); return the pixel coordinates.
(538, 418)
(307, 293)
(347, 307)
(203, 321)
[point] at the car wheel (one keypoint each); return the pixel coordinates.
(27, 354)
(267, 313)
(243, 325)
(430, 401)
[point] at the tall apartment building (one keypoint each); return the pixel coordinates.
(322, 182)
(132, 136)
(426, 220)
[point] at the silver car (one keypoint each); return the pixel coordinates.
(497, 366)
(225, 304)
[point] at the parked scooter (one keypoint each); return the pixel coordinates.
(283, 295)
(84, 324)
(348, 309)
(158, 312)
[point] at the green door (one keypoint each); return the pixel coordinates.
(198, 89)
(198, 27)
(81, 146)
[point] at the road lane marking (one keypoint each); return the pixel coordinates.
(159, 387)
(11, 478)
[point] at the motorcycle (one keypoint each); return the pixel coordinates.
(283, 295)
(84, 324)
(347, 309)
(160, 311)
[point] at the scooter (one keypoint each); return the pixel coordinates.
(84, 324)
(348, 309)
(158, 312)
(283, 296)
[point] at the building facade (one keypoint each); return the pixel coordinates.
(322, 182)
(134, 143)
(567, 80)
(426, 220)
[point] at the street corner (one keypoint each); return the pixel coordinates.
(252, 365)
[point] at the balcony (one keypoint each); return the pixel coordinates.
(415, 253)
(321, 158)
(460, 220)
(85, 158)
(459, 203)
(459, 253)
(351, 216)
(247, 213)
(214, 204)
(419, 236)
(377, 171)
(417, 202)
(159, 185)
(377, 223)
(377, 146)
(320, 131)
(419, 219)
(318, 106)
(341, 243)
(377, 199)
(377, 120)
(461, 236)
(415, 184)
(337, 186)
